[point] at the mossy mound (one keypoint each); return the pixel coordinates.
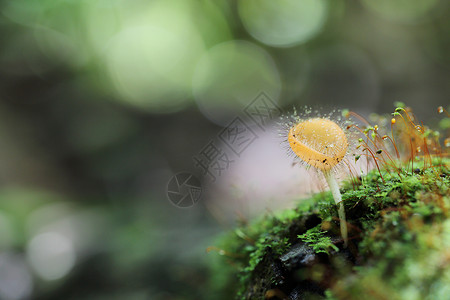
(399, 243)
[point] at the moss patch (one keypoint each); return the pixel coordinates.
(399, 238)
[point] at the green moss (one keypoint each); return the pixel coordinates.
(316, 238)
(399, 234)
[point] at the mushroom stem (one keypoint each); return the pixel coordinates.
(334, 187)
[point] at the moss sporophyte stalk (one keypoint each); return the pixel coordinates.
(397, 214)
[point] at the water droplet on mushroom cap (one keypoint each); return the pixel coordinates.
(319, 142)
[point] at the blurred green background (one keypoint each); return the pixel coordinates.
(102, 101)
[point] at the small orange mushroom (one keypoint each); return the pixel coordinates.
(322, 144)
(319, 142)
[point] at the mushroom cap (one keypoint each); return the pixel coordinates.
(319, 142)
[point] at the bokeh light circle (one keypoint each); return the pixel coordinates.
(230, 76)
(151, 67)
(283, 23)
(16, 282)
(52, 255)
